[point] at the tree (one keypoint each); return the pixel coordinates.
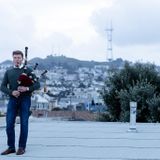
(138, 82)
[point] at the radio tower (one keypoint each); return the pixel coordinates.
(109, 43)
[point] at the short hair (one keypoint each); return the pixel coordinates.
(17, 52)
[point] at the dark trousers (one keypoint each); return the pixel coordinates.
(23, 104)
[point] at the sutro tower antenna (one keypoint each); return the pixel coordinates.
(109, 43)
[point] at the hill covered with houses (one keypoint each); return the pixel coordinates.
(70, 84)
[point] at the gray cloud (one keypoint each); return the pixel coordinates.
(16, 30)
(57, 43)
(136, 28)
(135, 22)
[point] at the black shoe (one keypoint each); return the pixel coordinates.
(8, 151)
(20, 151)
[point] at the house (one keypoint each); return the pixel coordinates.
(39, 102)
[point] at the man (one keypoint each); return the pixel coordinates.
(19, 98)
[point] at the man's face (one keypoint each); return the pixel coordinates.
(17, 60)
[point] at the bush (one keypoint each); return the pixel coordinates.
(105, 117)
(154, 108)
(138, 82)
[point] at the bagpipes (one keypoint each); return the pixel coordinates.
(28, 78)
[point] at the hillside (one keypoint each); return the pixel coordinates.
(68, 63)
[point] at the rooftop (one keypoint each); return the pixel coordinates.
(74, 140)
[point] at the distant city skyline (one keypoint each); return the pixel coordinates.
(77, 28)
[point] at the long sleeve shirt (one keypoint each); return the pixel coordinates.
(10, 81)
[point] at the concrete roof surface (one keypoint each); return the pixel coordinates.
(81, 140)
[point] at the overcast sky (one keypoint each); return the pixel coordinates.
(76, 28)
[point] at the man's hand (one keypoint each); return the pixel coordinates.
(16, 94)
(22, 89)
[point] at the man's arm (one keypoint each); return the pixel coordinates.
(36, 84)
(4, 84)
(34, 87)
